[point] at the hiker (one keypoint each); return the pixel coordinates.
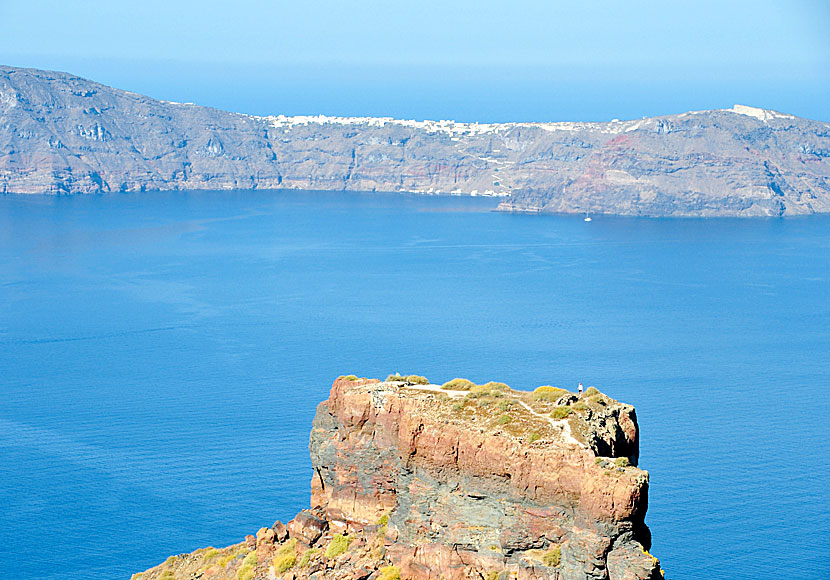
(580, 389)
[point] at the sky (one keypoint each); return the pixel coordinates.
(483, 60)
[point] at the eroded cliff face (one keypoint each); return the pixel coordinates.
(63, 134)
(423, 483)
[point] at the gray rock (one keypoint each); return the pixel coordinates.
(63, 134)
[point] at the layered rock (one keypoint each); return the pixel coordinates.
(425, 483)
(63, 134)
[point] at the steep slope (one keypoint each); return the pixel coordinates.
(64, 134)
(417, 482)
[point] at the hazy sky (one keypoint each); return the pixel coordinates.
(486, 60)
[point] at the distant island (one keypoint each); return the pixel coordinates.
(415, 481)
(62, 134)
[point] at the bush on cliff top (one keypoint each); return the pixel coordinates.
(560, 412)
(458, 385)
(504, 420)
(348, 377)
(591, 391)
(339, 544)
(413, 379)
(548, 393)
(495, 386)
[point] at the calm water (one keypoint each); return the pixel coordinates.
(161, 356)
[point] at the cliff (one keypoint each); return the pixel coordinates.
(63, 134)
(419, 482)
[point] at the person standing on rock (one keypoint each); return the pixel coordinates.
(580, 389)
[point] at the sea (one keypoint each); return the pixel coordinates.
(162, 355)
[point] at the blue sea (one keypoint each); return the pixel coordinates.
(162, 354)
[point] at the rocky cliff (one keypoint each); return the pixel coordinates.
(419, 482)
(63, 134)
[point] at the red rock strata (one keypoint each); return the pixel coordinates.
(428, 484)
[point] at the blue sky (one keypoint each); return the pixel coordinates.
(482, 60)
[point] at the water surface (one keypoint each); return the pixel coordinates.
(161, 356)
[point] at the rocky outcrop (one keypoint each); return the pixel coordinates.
(414, 481)
(63, 134)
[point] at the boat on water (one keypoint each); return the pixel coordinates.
(587, 217)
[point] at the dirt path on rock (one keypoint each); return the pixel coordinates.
(561, 425)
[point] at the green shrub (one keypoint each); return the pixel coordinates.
(389, 573)
(504, 420)
(170, 561)
(458, 406)
(167, 575)
(485, 403)
(383, 520)
(395, 377)
(533, 437)
(580, 406)
(458, 385)
(304, 560)
(283, 563)
(591, 391)
(505, 405)
(560, 412)
(598, 461)
(250, 560)
(494, 386)
(228, 557)
(285, 556)
(552, 557)
(339, 544)
(417, 380)
(622, 462)
(475, 395)
(210, 554)
(349, 378)
(245, 573)
(548, 393)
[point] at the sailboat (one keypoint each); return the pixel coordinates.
(587, 217)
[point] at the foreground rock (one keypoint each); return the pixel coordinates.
(63, 134)
(415, 481)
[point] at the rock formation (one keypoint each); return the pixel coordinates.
(63, 134)
(419, 482)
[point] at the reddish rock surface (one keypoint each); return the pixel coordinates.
(428, 484)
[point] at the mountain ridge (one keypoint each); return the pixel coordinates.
(62, 134)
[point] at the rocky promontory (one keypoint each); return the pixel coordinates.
(460, 481)
(62, 134)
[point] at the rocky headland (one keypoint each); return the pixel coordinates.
(462, 481)
(63, 134)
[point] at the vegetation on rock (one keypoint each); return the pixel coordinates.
(339, 544)
(458, 385)
(548, 393)
(552, 557)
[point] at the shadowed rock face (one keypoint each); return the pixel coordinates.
(64, 134)
(458, 485)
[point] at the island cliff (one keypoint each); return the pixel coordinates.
(416, 481)
(64, 134)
